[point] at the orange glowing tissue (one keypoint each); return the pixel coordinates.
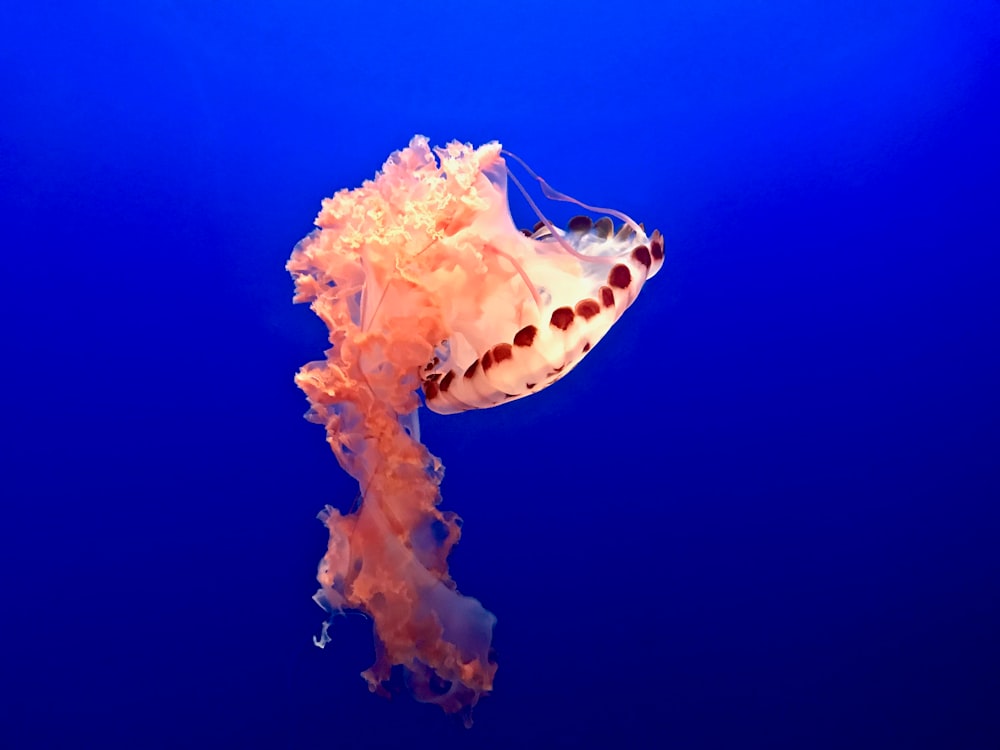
(427, 286)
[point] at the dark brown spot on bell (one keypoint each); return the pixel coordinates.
(607, 296)
(471, 370)
(529, 386)
(656, 247)
(587, 308)
(487, 360)
(538, 225)
(586, 347)
(641, 255)
(526, 336)
(433, 376)
(446, 381)
(604, 227)
(502, 352)
(620, 277)
(580, 224)
(430, 390)
(527, 232)
(562, 317)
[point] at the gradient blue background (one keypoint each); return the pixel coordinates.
(762, 514)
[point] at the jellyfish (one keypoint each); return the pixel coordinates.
(431, 292)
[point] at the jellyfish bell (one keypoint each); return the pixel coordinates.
(564, 290)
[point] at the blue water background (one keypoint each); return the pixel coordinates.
(763, 513)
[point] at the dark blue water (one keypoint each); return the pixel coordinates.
(763, 513)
